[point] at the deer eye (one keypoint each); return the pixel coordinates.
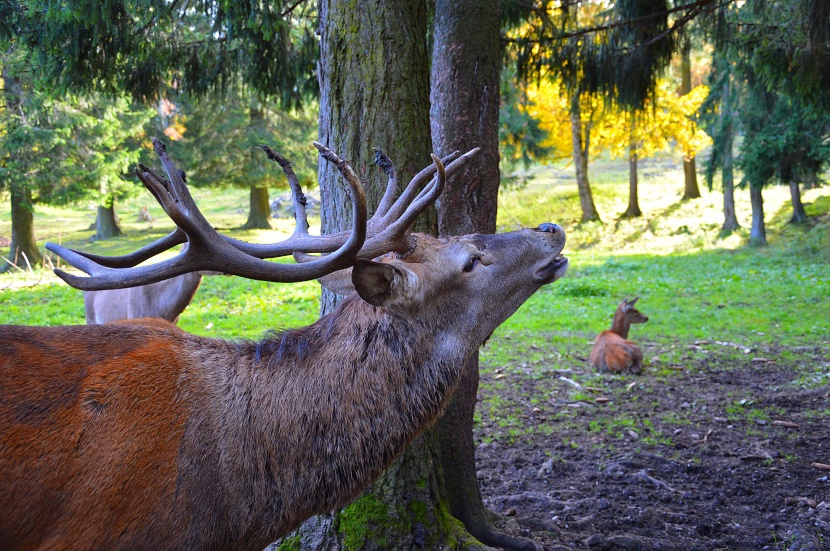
(471, 264)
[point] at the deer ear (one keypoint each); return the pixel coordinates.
(339, 282)
(632, 301)
(376, 283)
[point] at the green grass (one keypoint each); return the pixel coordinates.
(694, 283)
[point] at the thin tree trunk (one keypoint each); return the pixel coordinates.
(374, 92)
(106, 223)
(799, 215)
(691, 189)
(464, 114)
(633, 209)
(758, 232)
(730, 220)
(23, 230)
(586, 199)
(259, 214)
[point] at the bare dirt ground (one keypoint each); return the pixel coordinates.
(713, 451)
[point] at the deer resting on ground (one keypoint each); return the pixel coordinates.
(137, 435)
(612, 350)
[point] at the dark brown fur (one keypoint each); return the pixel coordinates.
(612, 350)
(136, 435)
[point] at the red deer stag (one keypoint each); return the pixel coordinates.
(136, 435)
(164, 299)
(612, 350)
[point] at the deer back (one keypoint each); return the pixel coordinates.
(164, 299)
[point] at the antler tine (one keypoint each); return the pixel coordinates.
(207, 250)
(400, 206)
(177, 237)
(297, 196)
(385, 163)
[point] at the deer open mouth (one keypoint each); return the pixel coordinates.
(553, 270)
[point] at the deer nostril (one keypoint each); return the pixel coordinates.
(549, 227)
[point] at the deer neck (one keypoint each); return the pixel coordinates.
(620, 325)
(321, 411)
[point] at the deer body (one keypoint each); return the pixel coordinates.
(612, 350)
(165, 299)
(136, 435)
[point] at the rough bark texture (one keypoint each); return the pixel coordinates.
(799, 215)
(580, 149)
(730, 220)
(106, 223)
(23, 230)
(633, 209)
(465, 109)
(259, 215)
(374, 92)
(464, 114)
(758, 232)
(691, 190)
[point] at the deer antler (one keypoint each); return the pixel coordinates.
(207, 249)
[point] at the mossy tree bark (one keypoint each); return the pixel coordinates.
(465, 114)
(580, 153)
(374, 92)
(23, 245)
(691, 189)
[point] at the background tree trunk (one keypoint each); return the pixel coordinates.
(586, 199)
(106, 223)
(730, 220)
(758, 232)
(691, 190)
(799, 215)
(23, 230)
(374, 92)
(259, 214)
(464, 114)
(633, 209)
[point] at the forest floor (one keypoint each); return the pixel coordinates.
(714, 450)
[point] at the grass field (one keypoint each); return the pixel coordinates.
(694, 283)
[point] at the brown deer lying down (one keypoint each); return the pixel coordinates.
(136, 435)
(612, 350)
(164, 299)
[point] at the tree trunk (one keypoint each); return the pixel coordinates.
(586, 199)
(633, 210)
(810, 180)
(758, 232)
(730, 220)
(691, 191)
(106, 223)
(374, 92)
(259, 214)
(799, 215)
(465, 114)
(23, 245)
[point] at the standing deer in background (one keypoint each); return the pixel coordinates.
(612, 350)
(164, 299)
(137, 435)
